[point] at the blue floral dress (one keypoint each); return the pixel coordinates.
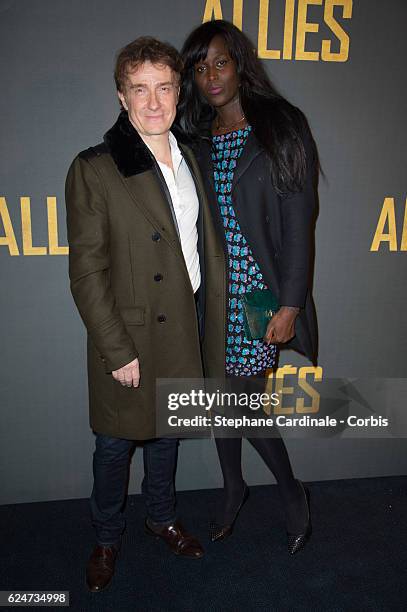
(244, 357)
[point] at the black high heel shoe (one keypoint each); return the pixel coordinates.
(219, 532)
(296, 541)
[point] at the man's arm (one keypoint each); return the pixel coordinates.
(89, 269)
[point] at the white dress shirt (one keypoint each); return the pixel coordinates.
(186, 207)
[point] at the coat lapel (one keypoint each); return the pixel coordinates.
(204, 208)
(190, 161)
(204, 157)
(208, 245)
(137, 170)
(250, 151)
(146, 191)
(205, 164)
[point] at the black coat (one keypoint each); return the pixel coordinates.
(279, 230)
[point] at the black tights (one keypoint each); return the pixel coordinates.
(274, 454)
(271, 450)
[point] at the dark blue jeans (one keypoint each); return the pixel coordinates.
(111, 462)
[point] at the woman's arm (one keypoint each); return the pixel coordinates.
(298, 211)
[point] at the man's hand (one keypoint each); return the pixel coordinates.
(128, 375)
(280, 328)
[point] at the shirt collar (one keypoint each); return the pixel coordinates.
(176, 154)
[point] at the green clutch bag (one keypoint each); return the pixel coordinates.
(258, 308)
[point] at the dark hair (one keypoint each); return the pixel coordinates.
(145, 49)
(277, 124)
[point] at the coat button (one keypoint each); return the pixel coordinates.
(158, 277)
(161, 318)
(156, 236)
(267, 219)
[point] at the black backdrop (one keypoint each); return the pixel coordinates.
(343, 63)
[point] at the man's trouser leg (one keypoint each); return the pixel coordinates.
(160, 460)
(111, 462)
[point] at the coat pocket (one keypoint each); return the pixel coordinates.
(134, 315)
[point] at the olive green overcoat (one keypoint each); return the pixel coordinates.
(130, 282)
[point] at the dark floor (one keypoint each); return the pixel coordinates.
(355, 561)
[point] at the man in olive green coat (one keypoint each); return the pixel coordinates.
(138, 226)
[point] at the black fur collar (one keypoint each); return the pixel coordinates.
(129, 152)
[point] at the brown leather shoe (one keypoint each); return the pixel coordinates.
(100, 568)
(179, 541)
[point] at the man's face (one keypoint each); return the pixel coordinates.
(150, 96)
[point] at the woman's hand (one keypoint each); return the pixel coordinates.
(281, 325)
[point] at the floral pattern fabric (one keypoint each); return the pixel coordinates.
(244, 357)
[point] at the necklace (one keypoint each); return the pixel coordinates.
(227, 127)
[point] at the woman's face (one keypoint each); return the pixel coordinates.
(216, 76)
